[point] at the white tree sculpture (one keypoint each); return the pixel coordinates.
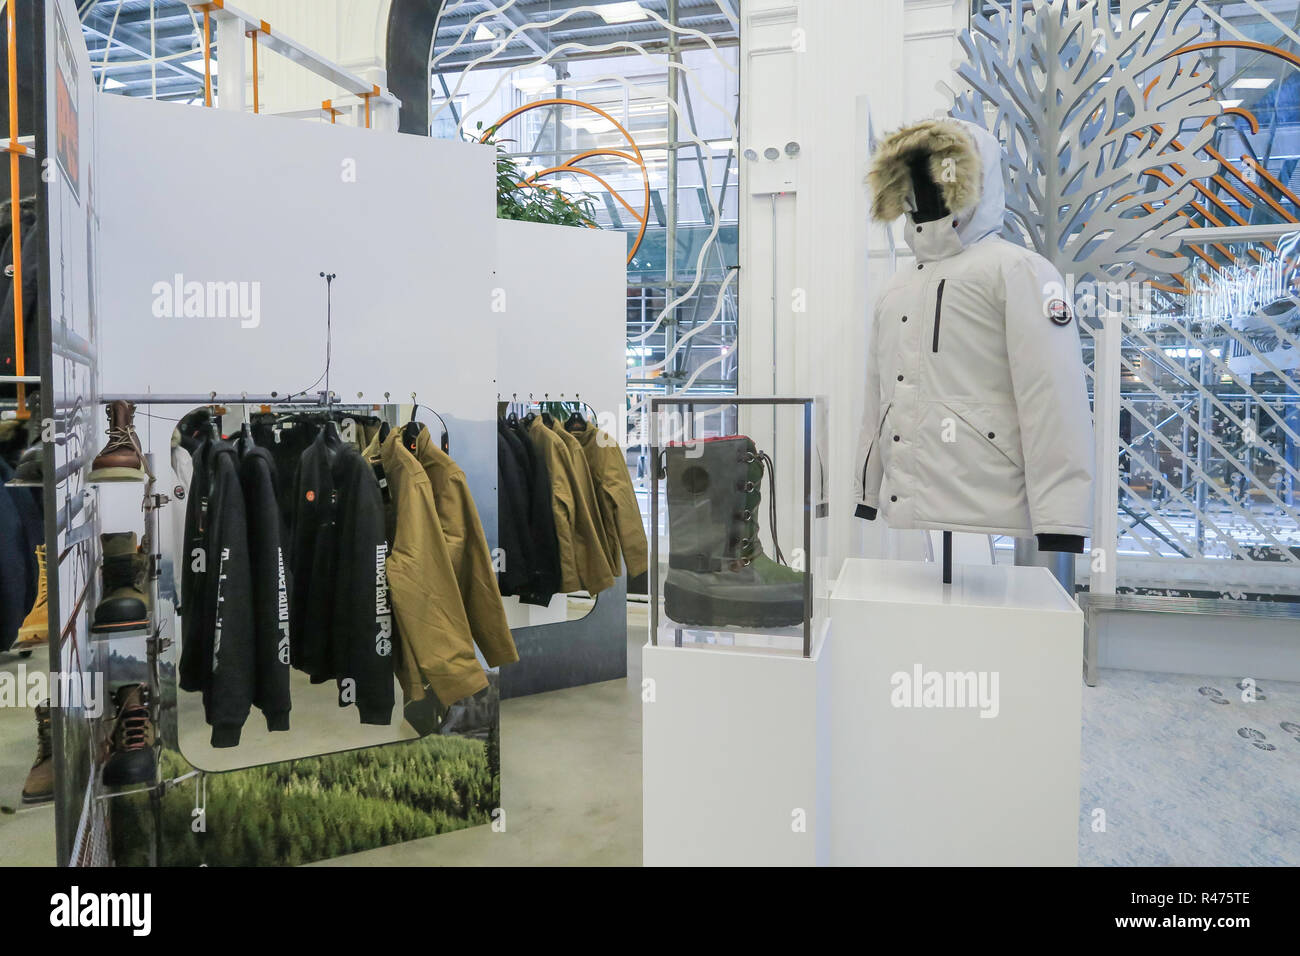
(1102, 126)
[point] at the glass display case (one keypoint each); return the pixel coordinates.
(737, 505)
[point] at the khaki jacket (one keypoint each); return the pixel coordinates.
(619, 512)
(582, 547)
(470, 558)
(434, 636)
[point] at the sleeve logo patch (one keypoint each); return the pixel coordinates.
(1059, 312)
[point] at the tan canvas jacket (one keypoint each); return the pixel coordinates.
(470, 558)
(435, 645)
(585, 555)
(619, 512)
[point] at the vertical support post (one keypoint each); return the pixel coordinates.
(207, 56)
(947, 557)
(671, 330)
(230, 78)
(252, 34)
(16, 149)
(652, 428)
(1205, 419)
(809, 564)
(1106, 408)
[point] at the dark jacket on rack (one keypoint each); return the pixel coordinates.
(270, 593)
(31, 309)
(27, 219)
(619, 511)
(20, 533)
(546, 575)
(227, 674)
(513, 533)
(340, 612)
(193, 567)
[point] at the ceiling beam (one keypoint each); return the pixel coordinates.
(514, 21)
(117, 39)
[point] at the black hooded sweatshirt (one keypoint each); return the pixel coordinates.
(339, 608)
(230, 625)
(228, 671)
(193, 564)
(268, 568)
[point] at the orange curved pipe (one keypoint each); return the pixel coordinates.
(636, 157)
(1291, 58)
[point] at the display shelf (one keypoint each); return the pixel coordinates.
(956, 716)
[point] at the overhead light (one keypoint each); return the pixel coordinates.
(624, 12)
(1253, 83)
(588, 123)
(196, 64)
(483, 34)
(532, 85)
(1229, 104)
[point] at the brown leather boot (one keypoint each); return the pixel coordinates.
(35, 628)
(132, 758)
(39, 787)
(122, 458)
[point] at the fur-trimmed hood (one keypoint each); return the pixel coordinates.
(965, 162)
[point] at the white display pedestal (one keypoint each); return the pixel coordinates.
(735, 761)
(939, 784)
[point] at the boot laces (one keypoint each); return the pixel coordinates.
(771, 504)
(135, 729)
(124, 436)
(44, 737)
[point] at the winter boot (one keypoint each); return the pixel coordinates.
(718, 574)
(31, 467)
(39, 787)
(125, 602)
(36, 626)
(122, 458)
(131, 757)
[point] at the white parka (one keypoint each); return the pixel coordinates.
(976, 415)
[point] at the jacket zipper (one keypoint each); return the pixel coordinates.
(938, 314)
(872, 447)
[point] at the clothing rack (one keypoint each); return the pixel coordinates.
(215, 398)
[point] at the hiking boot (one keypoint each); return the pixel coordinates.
(131, 756)
(125, 602)
(39, 787)
(31, 467)
(718, 574)
(122, 458)
(35, 628)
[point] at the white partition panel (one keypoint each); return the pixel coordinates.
(267, 204)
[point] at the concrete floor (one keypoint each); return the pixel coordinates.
(26, 833)
(570, 782)
(1178, 770)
